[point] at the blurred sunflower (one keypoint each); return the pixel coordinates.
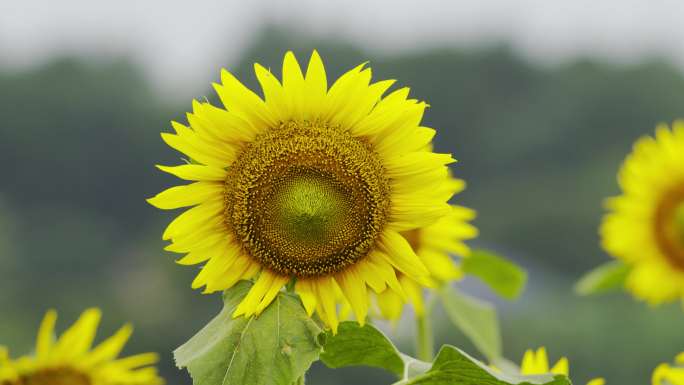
(665, 374)
(434, 245)
(645, 225)
(535, 363)
(69, 360)
(312, 184)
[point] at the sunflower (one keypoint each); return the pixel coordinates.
(69, 360)
(645, 225)
(665, 374)
(535, 363)
(309, 184)
(434, 245)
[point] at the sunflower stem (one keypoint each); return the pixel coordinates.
(424, 336)
(300, 381)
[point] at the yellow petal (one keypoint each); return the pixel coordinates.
(195, 172)
(416, 163)
(325, 289)
(542, 360)
(390, 304)
(224, 127)
(354, 289)
(46, 334)
(252, 300)
(414, 293)
(401, 255)
(561, 367)
(230, 273)
(187, 195)
(111, 347)
(194, 217)
(278, 282)
(529, 364)
(199, 149)
(79, 337)
(597, 381)
(380, 265)
(137, 361)
(242, 101)
(276, 100)
(293, 84)
(316, 85)
(307, 294)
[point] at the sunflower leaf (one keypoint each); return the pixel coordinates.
(454, 367)
(476, 319)
(275, 348)
(356, 345)
(503, 276)
(605, 278)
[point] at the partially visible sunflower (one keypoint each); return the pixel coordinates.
(434, 245)
(535, 363)
(312, 184)
(645, 225)
(69, 360)
(665, 374)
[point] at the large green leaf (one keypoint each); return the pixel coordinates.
(605, 278)
(503, 276)
(477, 319)
(275, 348)
(355, 345)
(454, 367)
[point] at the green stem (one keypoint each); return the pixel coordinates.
(300, 381)
(425, 347)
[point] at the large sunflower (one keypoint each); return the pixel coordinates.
(535, 363)
(69, 360)
(645, 225)
(434, 245)
(310, 184)
(666, 374)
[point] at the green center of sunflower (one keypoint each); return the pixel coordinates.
(310, 208)
(669, 226)
(307, 199)
(54, 376)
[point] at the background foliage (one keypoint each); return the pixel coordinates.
(539, 147)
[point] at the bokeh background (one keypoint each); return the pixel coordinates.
(539, 101)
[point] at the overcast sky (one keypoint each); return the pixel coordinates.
(182, 43)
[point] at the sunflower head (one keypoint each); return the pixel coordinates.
(321, 201)
(645, 225)
(308, 181)
(71, 360)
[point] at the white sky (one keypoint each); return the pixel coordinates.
(183, 43)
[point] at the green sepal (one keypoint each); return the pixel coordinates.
(477, 319)
(504, 277)
(605, 278)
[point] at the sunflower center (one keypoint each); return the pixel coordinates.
(54, 376)
(310, 208)
(307, 199)
(669, 226)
